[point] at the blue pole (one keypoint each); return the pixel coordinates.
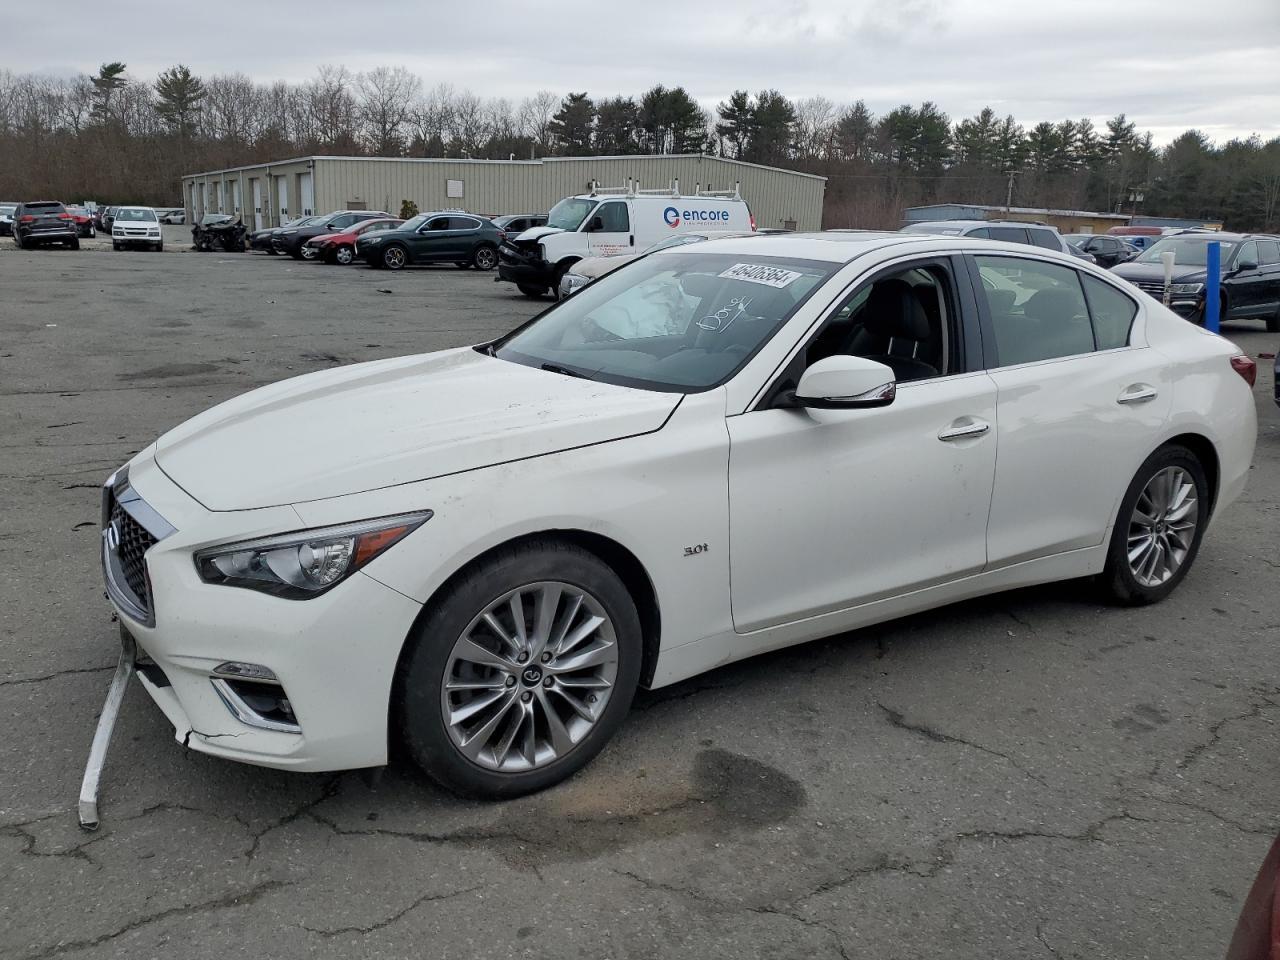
(1213, 270)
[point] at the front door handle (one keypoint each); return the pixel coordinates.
(1137, 393)
(964, 428)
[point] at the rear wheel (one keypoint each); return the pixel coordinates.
(308, 253)
(395, 257)
(74, 244)
(521, 671)
(1273, 322)
(485, 258)
(1159, 527)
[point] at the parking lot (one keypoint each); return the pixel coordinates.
(1031, 774)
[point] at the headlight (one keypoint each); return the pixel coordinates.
(304, 564)
(287, 232)
(1185, 288)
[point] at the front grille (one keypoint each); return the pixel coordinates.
(135, 541)
(1153, 287)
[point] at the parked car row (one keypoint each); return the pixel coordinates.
(382, 240)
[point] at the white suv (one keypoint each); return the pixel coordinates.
(1010, 231)
(136, 226)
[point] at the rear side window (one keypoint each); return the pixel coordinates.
(981, 232)
(463, 223)
(1038, 310)
(1112, 313)
(1044, 238)
(1009, 234)
(1269, 251)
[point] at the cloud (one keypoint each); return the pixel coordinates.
(1167, 66)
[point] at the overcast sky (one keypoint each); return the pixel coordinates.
(1169, 65)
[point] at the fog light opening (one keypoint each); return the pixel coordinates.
(258, 703)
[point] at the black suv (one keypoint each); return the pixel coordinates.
(1250, 275)
(514, 224)
(1107, 251)
(44, 221)
(460, 238)
(292, 240)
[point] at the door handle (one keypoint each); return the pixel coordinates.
(1137, 393)
(964, 429)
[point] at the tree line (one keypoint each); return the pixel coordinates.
(115, 138)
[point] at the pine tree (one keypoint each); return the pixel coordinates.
(571, 126)
(180, 99)
(737, 122)
(110, 78)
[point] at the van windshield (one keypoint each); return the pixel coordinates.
(569, 213)
(135, 213)
(679, 321)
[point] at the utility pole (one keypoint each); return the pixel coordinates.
(1008, 196)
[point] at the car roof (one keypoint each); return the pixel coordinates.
(844, 246)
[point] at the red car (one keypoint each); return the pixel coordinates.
(83, 219)
(341, 247)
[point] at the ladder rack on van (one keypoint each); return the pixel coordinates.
(632, 189)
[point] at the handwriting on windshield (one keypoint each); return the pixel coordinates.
(721, 319)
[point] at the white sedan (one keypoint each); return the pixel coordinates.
(484, 551)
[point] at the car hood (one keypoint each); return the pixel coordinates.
(1154, 272)
(322, 237)
(537, 233)
(371, 425)
(593, 267)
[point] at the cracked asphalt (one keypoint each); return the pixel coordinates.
(1034, 774)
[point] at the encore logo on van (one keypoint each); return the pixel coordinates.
(673, 217)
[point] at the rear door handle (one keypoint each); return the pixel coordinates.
(964, 428)
(1137, 393)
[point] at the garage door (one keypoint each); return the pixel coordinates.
(257, 204)
(282, 198)
(308, 198)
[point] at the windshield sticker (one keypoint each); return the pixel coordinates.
(762, 273)
(722, 318)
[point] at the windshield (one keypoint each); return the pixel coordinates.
(679, 240)
(413, 223)
(1187, 251)
(136, 213)
(569, 213)
(1077, 240)
(681, 322)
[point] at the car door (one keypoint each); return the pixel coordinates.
(430, 242)
(464, 232)
(1077, 405)
(609, 230)
(1269, 264)
(830, 509)
(1246, 283)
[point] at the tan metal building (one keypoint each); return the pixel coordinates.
(269, 194)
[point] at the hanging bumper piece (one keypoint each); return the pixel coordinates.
(102, 736)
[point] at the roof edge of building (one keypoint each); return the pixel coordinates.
(311, 158)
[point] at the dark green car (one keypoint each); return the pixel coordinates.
(459, 238)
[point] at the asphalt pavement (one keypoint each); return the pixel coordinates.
(1035, 774)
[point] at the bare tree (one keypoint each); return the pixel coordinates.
(432, 117)
(331, 108)
(815, 128)
(534, 118)
(385, 99)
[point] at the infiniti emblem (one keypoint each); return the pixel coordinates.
(112, 536)
(532, 675)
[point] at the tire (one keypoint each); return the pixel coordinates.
(115, 246)
(484, 258)
(1168, 529)
(394, 257)
(308, 253)
(429, 661)
(74, 244)
(160, 247)
(1273, 322)
(271, 251)
(344, 255)
(297, 253)
(536, 293)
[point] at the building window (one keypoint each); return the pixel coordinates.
(453, 189)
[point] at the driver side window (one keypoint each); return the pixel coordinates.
(900, 319)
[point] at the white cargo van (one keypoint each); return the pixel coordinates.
(609, 221)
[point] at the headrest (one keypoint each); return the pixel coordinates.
(1053, 305)
(894, 310)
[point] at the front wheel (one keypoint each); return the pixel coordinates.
(1273, 322)
(344, 255)
(394, 257)
(531, 291)
(521, 672)
(74, 244)
(1158, 529)
(485, 258)
(115, 246)
(308, 253)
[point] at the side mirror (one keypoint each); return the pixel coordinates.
(596, 225)
(846, 383)
(1244, 265)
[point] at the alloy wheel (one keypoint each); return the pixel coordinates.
(486, 259)
(344, 255)
(529, 677)
(1163, 526)
(308, 253)
(394, 258)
